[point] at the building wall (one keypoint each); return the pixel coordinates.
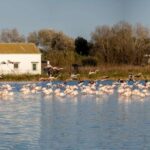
(24, 61)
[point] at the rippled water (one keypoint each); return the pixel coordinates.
(37, 122)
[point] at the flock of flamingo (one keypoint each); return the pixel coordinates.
(64, 89)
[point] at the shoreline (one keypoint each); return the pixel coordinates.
(105, 72)
(68, 79)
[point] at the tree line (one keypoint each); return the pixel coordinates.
(121, 43)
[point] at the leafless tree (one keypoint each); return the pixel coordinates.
(11, 35)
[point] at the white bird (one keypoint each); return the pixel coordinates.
(93, 72)
(47, 91)
(74, 76)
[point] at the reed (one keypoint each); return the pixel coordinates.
(106, 71)
(23, 77)
(114, 71)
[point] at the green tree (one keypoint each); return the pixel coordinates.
(82, 46)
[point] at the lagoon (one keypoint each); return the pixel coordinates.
(83, 122)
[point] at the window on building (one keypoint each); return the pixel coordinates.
(34, 66)
(16, 65)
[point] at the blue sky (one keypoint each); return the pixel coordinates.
(73, 17)
(138, 11)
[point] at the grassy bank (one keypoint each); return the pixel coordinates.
(24, 77)
(113, 72)
(121, 71)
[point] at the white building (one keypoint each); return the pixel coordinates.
(19, 58)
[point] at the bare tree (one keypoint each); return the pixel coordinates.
(33, 38)
(11, 35)
(49, 39)
(121, 43)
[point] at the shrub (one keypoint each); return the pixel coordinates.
(89, 61)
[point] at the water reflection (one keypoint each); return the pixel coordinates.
(57, 123)
(74, 123)
(88, 124)
(18, 124)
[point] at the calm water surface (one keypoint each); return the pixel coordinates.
(85, 122)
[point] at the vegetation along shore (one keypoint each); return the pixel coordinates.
(110, 72)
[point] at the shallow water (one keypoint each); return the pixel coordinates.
(85, 122)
